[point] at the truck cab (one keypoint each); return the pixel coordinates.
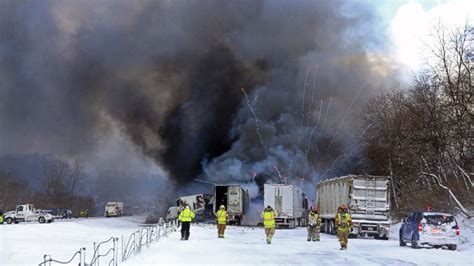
(27, 213)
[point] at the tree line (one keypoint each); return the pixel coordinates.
(423, 136)
(61, 186)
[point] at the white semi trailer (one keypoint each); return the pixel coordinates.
(367, 198)
(289, 202)
(234, 198)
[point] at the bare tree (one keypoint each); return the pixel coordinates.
(427, 130)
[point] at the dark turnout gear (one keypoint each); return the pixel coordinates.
(268, 216)
(186, 216)
(314, 225)
(343, 225)
(185, 226)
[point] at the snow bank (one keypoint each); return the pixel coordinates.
(467, 234)
(26, 243)
(244, 245)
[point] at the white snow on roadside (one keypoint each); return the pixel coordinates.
(247, 246)
(26, 243)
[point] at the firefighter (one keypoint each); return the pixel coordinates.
(185, 217)
(343, 225)
(1, 217)
(268, 216)
(222, 218)
(314, 225)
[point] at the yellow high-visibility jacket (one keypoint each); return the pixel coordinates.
(222, 217)
(268, 218)
(343, 220)
(186, 215)
(314, 219)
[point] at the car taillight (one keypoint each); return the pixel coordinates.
(458, 231)
(420, 228)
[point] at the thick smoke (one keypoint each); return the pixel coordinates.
(168, 76)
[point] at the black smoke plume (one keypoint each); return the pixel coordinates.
(168, 76)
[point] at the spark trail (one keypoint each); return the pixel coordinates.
(257, 125)
(314, 128)
(324, 120)
(344, 152)
(345, 116)
(304, 94)
(278, 172)
(312, 95)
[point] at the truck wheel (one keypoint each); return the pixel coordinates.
(292, 224)
(414, 244)
(400, 240)
(9, 220)
(324, 227)
(332, 228)
(41, 220)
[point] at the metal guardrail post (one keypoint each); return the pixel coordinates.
(83, 256)
(135, 242)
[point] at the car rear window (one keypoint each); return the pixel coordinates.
(438, 219)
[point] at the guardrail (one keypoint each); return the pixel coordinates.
(108, 251)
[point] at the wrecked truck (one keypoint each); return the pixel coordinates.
(235, 199)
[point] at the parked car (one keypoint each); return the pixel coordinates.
(66, 214)
(431, 229)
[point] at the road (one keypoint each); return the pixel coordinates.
(244, 245)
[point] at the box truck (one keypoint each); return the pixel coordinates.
(234, 198)
(113, 209)
(367, 198)
(289, 202)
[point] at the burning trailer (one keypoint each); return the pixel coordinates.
(289, 202)
(367, 198)
(200, 204)
(235, 199)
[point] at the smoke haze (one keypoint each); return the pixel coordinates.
(156, 85)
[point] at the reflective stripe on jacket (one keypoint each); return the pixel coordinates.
(221, 217)
(343, 220)
(268, 218)
(314, 219)
(186, 215)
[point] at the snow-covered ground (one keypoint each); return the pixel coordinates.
(289, 247)
(26, 243)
